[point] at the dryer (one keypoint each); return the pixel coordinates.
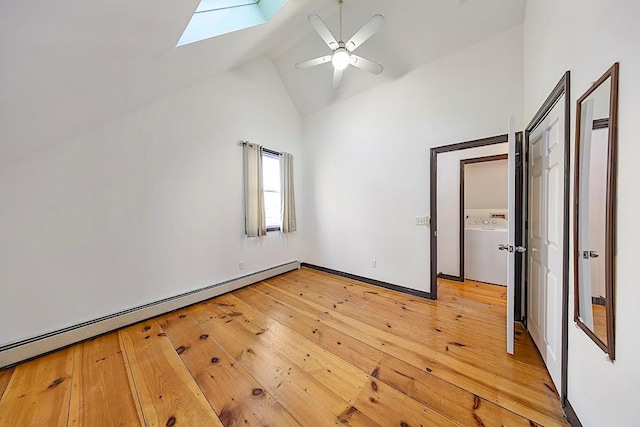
(483, 262)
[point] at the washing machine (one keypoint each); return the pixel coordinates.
(483, 262)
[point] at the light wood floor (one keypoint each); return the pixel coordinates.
(303, 348)
(600, 321)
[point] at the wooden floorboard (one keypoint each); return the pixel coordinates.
(5, 376)
(451, 401)
(39, 392)
(304, 348)
(413, 323)
(236, 396)
(478, 380)
(168, 393)
(99, 375)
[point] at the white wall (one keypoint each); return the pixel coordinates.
(143, 207)
(449, 203)
(367, 170)
(587, 37)
(485, 185)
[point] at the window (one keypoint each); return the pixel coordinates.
(214, 18)
(207, 5)
(269, 195)
(271, 183)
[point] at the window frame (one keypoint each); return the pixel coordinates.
(205, 7)
(276, 155)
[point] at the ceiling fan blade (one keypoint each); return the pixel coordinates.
(365, 64)
(313, 62)
(337, 78)
(318, 24)
(364, 33)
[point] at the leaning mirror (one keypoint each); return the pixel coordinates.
(595, 202)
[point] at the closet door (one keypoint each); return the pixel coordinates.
(545, 257)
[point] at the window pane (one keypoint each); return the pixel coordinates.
(206, 5)
(271, 177)
(272, 209)
(271, 182)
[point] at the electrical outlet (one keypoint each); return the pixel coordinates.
(420, 220)
(241, 265)
(374, 263)
(427, 221)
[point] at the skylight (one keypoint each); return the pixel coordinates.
(208, 5)
(213, 18)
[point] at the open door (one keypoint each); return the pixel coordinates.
(510, 246)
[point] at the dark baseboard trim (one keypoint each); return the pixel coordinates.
(571, 415)
(599, 301)
(374, 282)
(450, 277)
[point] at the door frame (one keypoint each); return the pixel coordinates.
(463, 163)
(562, 88)
(433, 202)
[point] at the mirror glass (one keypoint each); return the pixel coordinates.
(595, 204)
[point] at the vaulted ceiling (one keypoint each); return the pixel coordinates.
(70, 65)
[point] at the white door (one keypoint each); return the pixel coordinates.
(510, 247)
(545, 262)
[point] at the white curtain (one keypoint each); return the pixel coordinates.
(255, 222)
(287, 194)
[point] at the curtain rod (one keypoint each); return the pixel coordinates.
(266, 150)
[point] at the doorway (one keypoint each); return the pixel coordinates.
(541, 277)
(437, 154)
(483, 218)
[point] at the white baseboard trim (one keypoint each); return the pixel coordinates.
(19, 351)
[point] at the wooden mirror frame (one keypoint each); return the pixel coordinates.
(610, 219)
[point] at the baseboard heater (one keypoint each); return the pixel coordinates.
(19, 351)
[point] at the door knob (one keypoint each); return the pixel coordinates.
(590, 254)
(511, 248)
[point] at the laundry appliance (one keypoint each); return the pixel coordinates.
(483, 262)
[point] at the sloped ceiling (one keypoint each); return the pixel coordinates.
(69, 65)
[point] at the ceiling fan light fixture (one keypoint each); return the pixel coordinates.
(342, 53)
(340, 58)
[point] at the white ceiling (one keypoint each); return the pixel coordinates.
(415, 33)
(70, 65)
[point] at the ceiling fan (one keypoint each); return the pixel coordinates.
(342, 55)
